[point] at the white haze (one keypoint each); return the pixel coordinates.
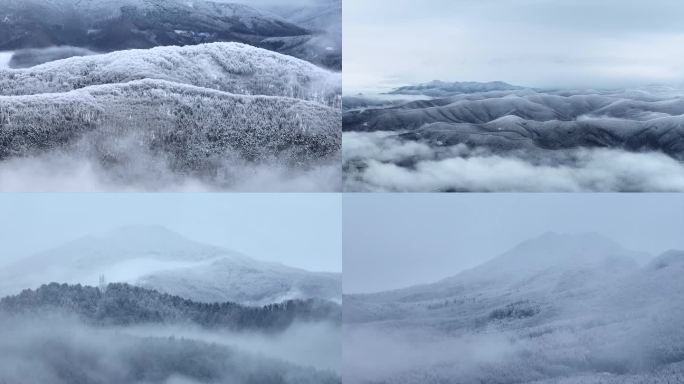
(373, 354)
(59, 172)
(554, 308)
(5, 58)
(460, 168)
(51, 348)
(306, 344)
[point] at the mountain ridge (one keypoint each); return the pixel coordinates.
(110, 26)
(171, 264)
(229, 67)
(567, 266)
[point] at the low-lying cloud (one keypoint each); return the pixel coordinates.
(59, 171)
(56, 349)
(373, 355)
(382, 161)
(588, 345)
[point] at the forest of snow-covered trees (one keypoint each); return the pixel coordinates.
(176, 310)
(167, 112)
(115, 333)
(123, 304)
(554, 309)
(209, 114)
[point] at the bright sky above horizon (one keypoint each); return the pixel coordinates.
(299, 230)
(397, 240)
(537, 43)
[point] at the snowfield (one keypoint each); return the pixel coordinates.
(221, 116)
(556, 309)
(229, 67)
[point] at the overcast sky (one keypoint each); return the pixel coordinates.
(300, 230)
(398, 240)
(540, 43)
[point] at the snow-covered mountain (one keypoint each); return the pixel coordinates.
(182, 129)
(569, 265)
(469, 136)
(228, 67)
(156, 258)
(208, 114)
(106, 26)
(556, 308)
(324, 18)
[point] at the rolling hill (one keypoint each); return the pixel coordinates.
(559, 308)
(156, 258)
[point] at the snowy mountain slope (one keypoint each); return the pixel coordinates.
(229, 67)
(552, 266)
(188, 129)
(125, 24)
(558, 308)
(529, 119)
(227, 280)
(106, 26)
(521, 140)
(157, 258)
(324, 18)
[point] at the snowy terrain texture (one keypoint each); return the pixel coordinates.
(222, 116)
(555, 309)
(499, 137)
(156, 258)
(228, 67)
(106, 25)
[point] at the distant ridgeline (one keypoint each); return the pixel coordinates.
(123, 304)
(112, 25)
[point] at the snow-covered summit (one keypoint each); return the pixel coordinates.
(229, 67)
(158, 258)
(557, 250)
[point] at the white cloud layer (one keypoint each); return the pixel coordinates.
(56, 171)
(381, 162)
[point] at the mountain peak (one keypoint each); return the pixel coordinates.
(132, 242)
(154, 231)
(563, 250)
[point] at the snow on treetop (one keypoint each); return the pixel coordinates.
(197, 128)
(229, 67)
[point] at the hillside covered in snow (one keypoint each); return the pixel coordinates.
(156, 258)
(220, 116)
(105, 26)
(556, 309)
(228, 67)
(499, 137)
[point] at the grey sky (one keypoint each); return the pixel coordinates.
(540, 43)
(397, 240)
(301, 230)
